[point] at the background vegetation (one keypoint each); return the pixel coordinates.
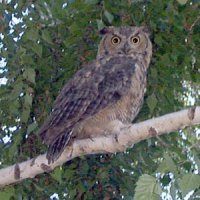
(42, 43)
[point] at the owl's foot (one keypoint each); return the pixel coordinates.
(116, 138)
(91, 138)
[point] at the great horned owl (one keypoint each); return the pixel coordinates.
(107, 89)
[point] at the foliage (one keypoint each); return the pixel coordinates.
(147, 188)
(51, 41)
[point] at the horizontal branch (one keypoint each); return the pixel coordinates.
(124, 136)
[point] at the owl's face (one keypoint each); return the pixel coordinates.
(129, 41)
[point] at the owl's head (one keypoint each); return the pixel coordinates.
(129, 41)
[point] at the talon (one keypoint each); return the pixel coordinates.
(70, 155)
(116, 138)
(91, 139)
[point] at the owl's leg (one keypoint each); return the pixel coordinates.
(113, 128)
(89, 132)
(98, 130)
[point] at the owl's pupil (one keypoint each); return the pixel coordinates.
(135, 40)
(115, 40)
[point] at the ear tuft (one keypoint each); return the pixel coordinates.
(146, 29)
(106, 30)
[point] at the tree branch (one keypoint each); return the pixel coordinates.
(123, 136)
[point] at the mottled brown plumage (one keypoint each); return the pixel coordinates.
(110, 88)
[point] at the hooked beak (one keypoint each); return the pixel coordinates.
(126, 48)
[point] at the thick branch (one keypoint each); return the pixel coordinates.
(124, 136)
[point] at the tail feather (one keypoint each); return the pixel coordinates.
(57, 147)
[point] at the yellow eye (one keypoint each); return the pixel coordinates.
(115, 40)
(135, 40)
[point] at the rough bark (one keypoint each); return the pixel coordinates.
(123, 137)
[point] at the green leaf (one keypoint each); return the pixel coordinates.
(28, 100)
(14, 107)
(103, 173)
(7, 193)
(29, 75)
(25, 114)
(196, 159)
(189, 182)
(100, 24)
(21, 3)
(147, 188)
(154, 74)
(37, 48)
(18, 87)
(46, 36)
(109, 16)
(152, 102)
(167, 165)
(182, 2)
(31, 34)
(91, 1)
(39, 188)
(32, 127)
(27, 60)
(57, 174)
(13, 150)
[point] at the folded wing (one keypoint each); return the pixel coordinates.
(88, 92)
